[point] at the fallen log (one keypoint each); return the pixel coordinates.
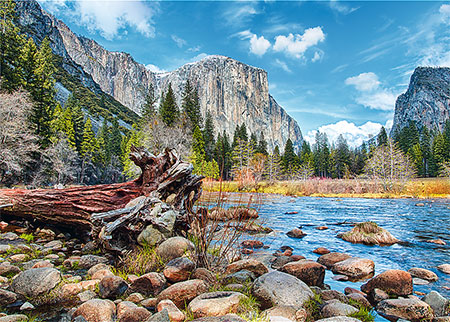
(115, 214)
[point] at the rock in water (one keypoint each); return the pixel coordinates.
(369, 233)
(296, 233)
(310, 272)
(393, 281)
(440, 305)
(355, 267)
(332, 258)
(408, 309)
(423, 274)
(36, 281)
(278, 288)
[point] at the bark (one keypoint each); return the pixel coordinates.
(102, 209)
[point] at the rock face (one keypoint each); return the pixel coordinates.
(427, 100)
(231, 91)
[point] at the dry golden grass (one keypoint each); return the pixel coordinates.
(369, 233)
(342, 188)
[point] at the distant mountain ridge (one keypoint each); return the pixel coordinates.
(427, 100)
(232, 91)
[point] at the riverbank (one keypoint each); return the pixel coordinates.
(340, 188)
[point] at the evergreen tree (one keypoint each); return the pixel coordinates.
(77, 121)
(306, 156)
(243, 133)
(382, 137)
(11, 43)
(103, 143)
(342, 156)
(241, 156)
(191, 106)
(43, 93)
(198, 143)
(427, 155)
(28, 59)
(148, 108)
(254, 142)
(169, 109)
(262, 145)
(115, 141)
(222, 155)
(439, 149)
(208, 137)
(273, 167)
(290, 159)
(321, 152)
(89, 146)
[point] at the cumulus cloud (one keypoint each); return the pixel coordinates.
(155, 69)
(364, 81)
(318, 55)
(109, 17)
(444, 10)
(296, 45)
(371, 93)
(257, 45)
(179, 41)
(355, 135)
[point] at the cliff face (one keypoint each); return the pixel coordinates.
(427, 100)
(233, 92)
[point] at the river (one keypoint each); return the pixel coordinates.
(407, 221)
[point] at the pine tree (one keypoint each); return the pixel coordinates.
(254, 142)
(241, 156)
(243, 133)
(89, 146)
(321, 152)
(439, 150)
(43, 93)
(208, 137)
(28, 59)
(103, 143)
(115, 140)
(169, 109)
(425, 146)
(198, 143)
(273, 167)
(191, 106)
(77, 121)
(290, 159)
(11, 43)
(222, 153)
(148, 110)
(342, 156)
(382, 137)
(262, 145)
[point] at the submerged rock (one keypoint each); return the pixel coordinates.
(296, 233)
(369, 233)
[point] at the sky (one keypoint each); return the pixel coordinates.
(334, 66)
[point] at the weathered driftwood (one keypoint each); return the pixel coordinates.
(104, 210)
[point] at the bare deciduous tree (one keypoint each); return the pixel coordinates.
(389, 165)
(17, 141)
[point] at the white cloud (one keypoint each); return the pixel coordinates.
(259, 45)
(179, 41)
(109, 17)
(371, 94)
(155, 69)
(444, 10)
(355, 135)
(198, 57)
(296, 45)
(318, 55)
(341, 8)
(239, 14)
(364, 81)
(194, 49)
(282, 65)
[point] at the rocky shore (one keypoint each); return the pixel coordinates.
(48, 275)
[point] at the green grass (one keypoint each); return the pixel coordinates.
(28, 237)
(312, 307)
(364, 314)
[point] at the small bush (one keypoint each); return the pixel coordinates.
(28, 237)
(141, 260)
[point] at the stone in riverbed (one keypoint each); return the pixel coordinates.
(149, 284)
(252, 244)
(178, 269)
(405, 308)
(112, 287)
(174, 247)
(444, 268)
(278, 288)
(354, 267)
(328, 260)
(96, 310)
(439, 304)
(361, 299)
(36, 281)
(184, 292)
(423, 273)
(369, 233)
(296, 233)
(175, 314)
(280, 261)
(336, 308)
(285, 311)
(7, 297)
(241, 277)
(224, 318)
(321, 251)
(7, 269)
(135, 314)
(215, 304)
(392, 281)
(251, 265)
(87, 261)
(339, 319)
(310, 272)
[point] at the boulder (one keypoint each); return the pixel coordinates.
(224, 318)
(328, 295)
(150, 236)
(175, 314)
(203, 274)
(215, 304)
(423, 273)
(174, 247)
(112, 287)
(279, 288)
(336, 308)
(87, 261)
(149, 284)
(439, 304)
(410, 309)
(7, 297)
(36, 281)
(393, 281)
(184, 292)
(321, 251)
(91, 271)
(377, 295)
(178, 269)
(369, 233)
(444, 268)
(354, 267)
(252, 244)
(241, 277)
(135, 314)
(284, 311)
(135, 298)
(361, 299)
(96, 310)
(251, 265)
(328, 260)
(339, 319)
(14, 318)
(296, 233)
(280, 261)
(7, 269)
(162, 316)
(310, 272)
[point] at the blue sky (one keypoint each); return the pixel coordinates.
(334, 66)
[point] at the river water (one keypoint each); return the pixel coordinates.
(410, 223)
